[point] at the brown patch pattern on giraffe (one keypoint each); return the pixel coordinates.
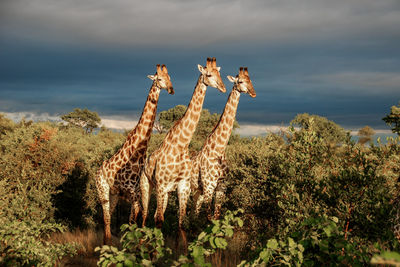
(169, 167)
(209, 164)
(118, 177)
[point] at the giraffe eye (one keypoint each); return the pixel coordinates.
(209, 75)
(240, 82)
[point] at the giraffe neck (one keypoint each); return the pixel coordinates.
(140, 135)
(186, 126)
(222, 131)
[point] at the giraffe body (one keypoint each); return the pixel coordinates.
(209, 164)
(118, 177)
(169, 167)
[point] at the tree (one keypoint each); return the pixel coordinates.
(167, 118)
(83, 118)
(205, 126)
(393, 119)
(324, 128)
(365, 134)
(5, 124)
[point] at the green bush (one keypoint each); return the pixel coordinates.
(282, 180)
(140, 247)
(145, 246)
(25, 227)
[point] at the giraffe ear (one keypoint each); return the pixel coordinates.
(231, 78)
(151, 77)
(218, 68)
(201, 68)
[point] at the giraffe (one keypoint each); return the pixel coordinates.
(169, 167)
(209, 166)
(118, 176)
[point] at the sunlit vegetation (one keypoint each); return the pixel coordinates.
(308, 196)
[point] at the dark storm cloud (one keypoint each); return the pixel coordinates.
(337, 59)
(199, 22)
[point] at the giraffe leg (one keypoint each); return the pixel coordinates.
(219, 198)
(207, 197)
(103, 190)
(145, 188)
(113, 202)
(113, 205)
(135, 208)
(159, 215)
(198, 200)
(165, 203)
(183, 195)
(107, 223)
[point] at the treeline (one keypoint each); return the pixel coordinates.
(311, 184)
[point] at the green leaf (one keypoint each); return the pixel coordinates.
(215, 229)
(218, 242)
(292, 244)
(335, 219)
(272, 244)
(120, 257)
(198, 251)
(212, 242)
(240, 222)
(224, 243)
(105, 263)
(391, 255)
(128, 263)
(328, 230)
(229, 232)
(198, 255)
(201, 235)
(146, 262)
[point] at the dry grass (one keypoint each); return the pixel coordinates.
(222, 258)
(230, 256)
(88, 241)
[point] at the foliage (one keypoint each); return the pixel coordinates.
(386, 258)
(145, 246)
(140, 247)
(324, 128)
(279, 253)
(212, 238)
(291, 187)
(84, 118)
(43, 175)
(365, 134)
(207, 122)
(6, 125)
(52, 155)
(25, 227)
(281, 184)
(167, 118)
(317, 241)
(393, 119)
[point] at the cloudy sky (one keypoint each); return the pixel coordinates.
(339, 59)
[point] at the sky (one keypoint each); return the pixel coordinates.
(338, 59)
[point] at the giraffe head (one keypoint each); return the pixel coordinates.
(211, 75)
(242, 82)
(162, 79)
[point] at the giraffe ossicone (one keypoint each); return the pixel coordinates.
(118, 177)
(168, 168)
(209, 166)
